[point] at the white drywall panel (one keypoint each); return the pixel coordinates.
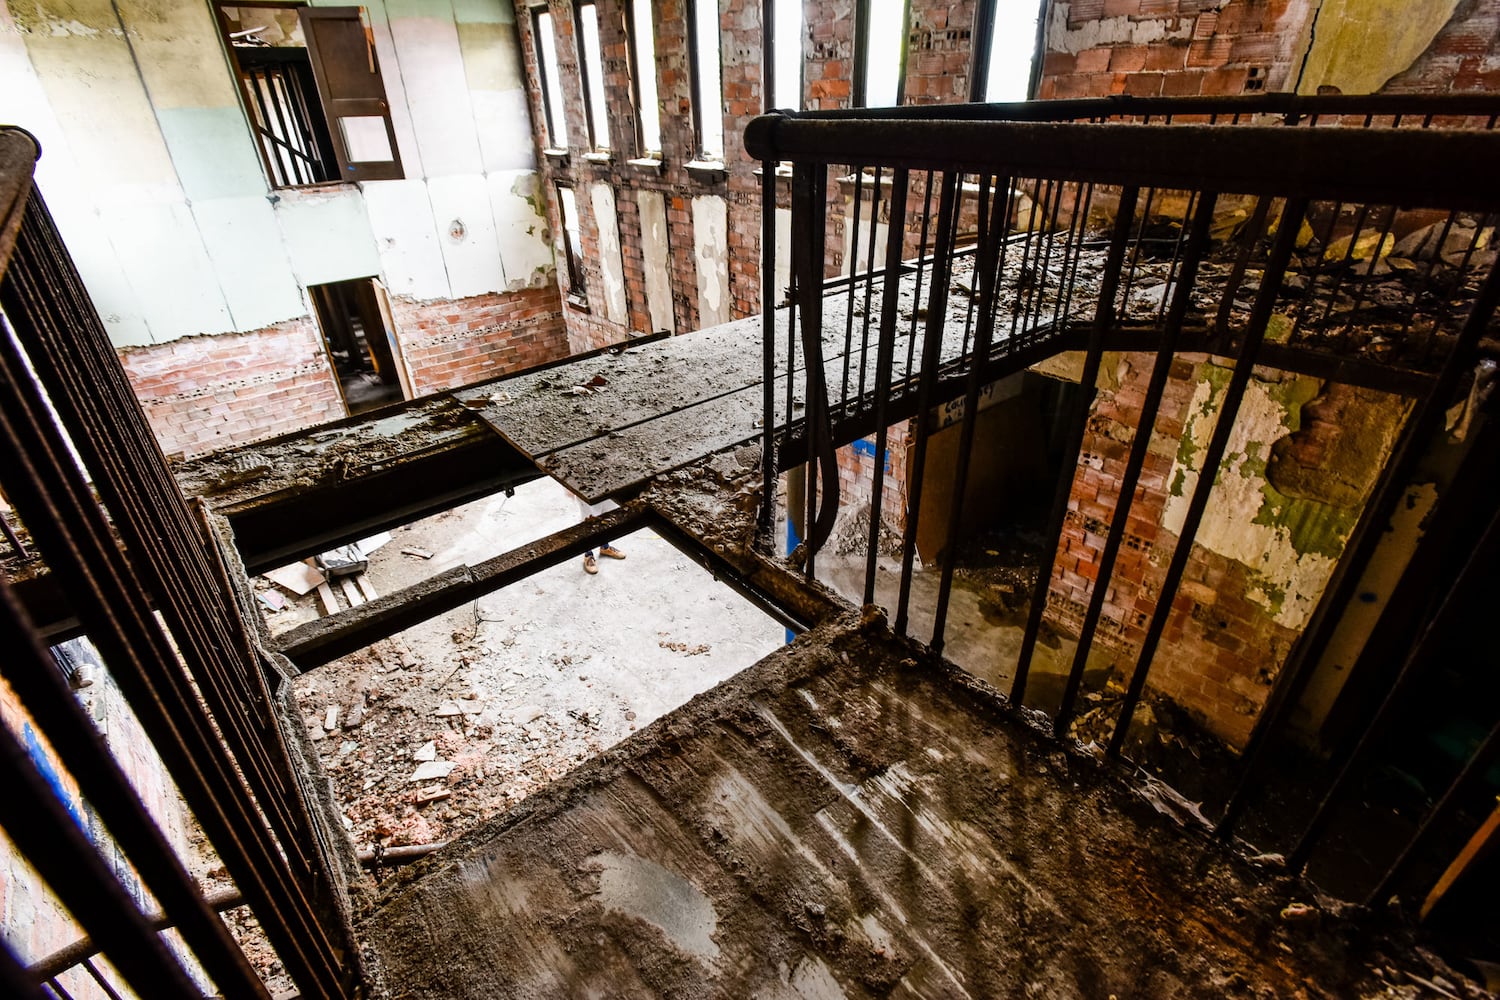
(327, 234)
(711, 249)
(656, 256)
(400, 214)
(250, 261)
(164, 260)
(437, 94)
(519, 205)
(466, 234)
(611, 266)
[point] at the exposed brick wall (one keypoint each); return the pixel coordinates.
(449, 344)
(1224, 641)
(740, 29)
(1463, 58)
(1172, 48)
(202, 394)
(856, 464)
(206, 393)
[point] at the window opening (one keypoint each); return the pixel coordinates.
(572, 243)
(361, 343)
(785, 65)
(591, 63)
(546, 60)
(643, 77)
(708, 91)
(880, 53)
(313, 92)
(1005, 47)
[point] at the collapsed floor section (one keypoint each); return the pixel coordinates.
(839, 822)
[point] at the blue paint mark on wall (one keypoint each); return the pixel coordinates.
(44, 765)
(866, 446)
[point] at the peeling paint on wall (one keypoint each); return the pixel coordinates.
(655, 257)
(1290, 544)
(710, 233)
(1358, 45)
(1110, 30)
(611, 265)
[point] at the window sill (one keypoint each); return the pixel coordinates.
(707, 170)
(579, 302)
(599, 157)
(647, 164)
(557, 156)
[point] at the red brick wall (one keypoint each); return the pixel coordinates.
(1463, 58)
(202, 394)
(1172, 48)
(449, 344)
(740, 65)
(206, 393)
(1221, 649)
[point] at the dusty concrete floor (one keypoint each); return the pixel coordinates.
(522, 686)
(837, 822)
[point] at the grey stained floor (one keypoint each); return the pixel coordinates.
(835, 823)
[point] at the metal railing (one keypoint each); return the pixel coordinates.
(1015, 233)
(208, 698)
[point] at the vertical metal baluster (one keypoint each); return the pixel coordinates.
(1017, 308)
(864, 333)
(850, 260)
(1104, 318)
(1139, 445)
(985, 272)
(1369, 276)
(916, 306)
(1447, 309)
(1049, 219)
(15, 980)
(1135, 255)
(1077, 232)
(932, 345)
(1253, 232)
(1358, 550)
(809, 217)
(1479, 565)
(890, 300)
(1478, 764)
(103, 984)
(1265, 302)
(768, 292)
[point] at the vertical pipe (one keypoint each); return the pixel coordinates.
(766, 522)
(1104, 317)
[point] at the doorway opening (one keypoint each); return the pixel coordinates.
(355, 317)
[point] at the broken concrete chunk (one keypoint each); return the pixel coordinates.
(331, 718)
(426, 752)
(526, 713)
(356, 714)
(448, 709)
(432, 770)
(434, 793)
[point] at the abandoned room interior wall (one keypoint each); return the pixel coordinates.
(1214, 48)
(200, 268)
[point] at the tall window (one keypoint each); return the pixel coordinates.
(591, 63)
(572, 244)
(313, 92)
(880, 53)
(546, 60)
(643, 77)
(785, 65)
(708, 90)
(1005, 47)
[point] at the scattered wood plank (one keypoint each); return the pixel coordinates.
(412, 550)
(365, 586)
(326, 598)
(351, 592)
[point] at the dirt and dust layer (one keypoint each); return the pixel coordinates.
(838, 821)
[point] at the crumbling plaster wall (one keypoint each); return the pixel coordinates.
(1178, 48)
(1300, 463)
(151, 169)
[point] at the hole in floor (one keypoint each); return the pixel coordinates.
(448, 723)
